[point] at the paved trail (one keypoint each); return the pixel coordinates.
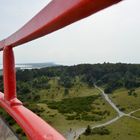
(5, 132)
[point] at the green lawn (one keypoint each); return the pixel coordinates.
(57, 92)
(79, 90)
(124, 101)
(59, 121)
(123, 129)
(136, 114)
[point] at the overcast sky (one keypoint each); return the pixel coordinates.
(112, 35)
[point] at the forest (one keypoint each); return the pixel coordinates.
(112, 76)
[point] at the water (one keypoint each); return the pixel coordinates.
(24, 66)
(32, 65)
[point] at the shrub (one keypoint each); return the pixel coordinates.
(101, 131)
(73, 105)
(88, 130)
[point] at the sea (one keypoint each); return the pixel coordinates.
(32, 65)
(20, 67)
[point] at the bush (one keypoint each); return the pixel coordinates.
(36, 97)
(41, 83)
(19, 131)
(66, 81)
(23, 87)
(73, 105)
(88, 130)
(101, 131)
(122, 109)
(66, 91)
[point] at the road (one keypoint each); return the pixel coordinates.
(73, 135)
(5, 132)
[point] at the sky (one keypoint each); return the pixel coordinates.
(111, 35)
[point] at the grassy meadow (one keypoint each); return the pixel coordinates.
(136, 114)
(125, 101)
(66, 109)
(123, 129)
(55, 106)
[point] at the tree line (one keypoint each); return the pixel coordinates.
(113, 76)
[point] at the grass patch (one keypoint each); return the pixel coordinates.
(57, 92)
(136, 114)
(55, 118)
(124, 101)
(124, 129)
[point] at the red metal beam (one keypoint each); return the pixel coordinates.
(9, 74)
(57, 14)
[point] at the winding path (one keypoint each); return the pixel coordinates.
(73, 135)
(105, 96)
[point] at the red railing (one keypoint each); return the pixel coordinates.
(57, 14)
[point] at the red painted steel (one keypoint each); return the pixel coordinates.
(57, 14)
(9, 74)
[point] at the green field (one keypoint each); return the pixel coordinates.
(124, 101)
(136, 114)
(123, 129)
(55, 118)
(80, 91)
(57, 92)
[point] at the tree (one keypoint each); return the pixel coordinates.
(66, 91)
(66, 81)
(88, 130)
(23, 87)
(101, 131)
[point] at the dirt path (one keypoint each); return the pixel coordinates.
(105, 96)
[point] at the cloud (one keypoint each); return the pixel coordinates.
(111, 35)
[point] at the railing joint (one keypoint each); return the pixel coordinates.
(15, 102)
